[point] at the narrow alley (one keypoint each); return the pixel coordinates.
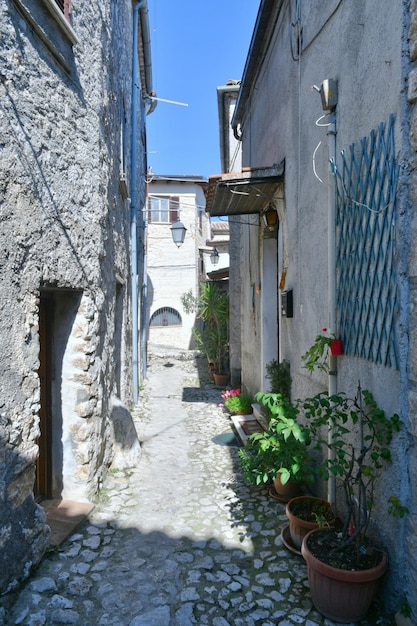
(180, 539)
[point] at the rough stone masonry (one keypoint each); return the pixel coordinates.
(65, 313)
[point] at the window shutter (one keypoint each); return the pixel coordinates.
(65, 6)
(149, 210)
(174, 208)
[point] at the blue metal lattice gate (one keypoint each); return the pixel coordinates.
(366, 238)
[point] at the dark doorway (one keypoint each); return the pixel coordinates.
(57, 313)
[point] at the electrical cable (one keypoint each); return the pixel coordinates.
(356, 202)
(314, 162)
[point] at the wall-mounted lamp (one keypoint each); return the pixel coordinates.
(214, 257)
(270, 218)
(178, 231)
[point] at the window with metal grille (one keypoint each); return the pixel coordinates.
(165, 317)
(64, 5)
(163, 209)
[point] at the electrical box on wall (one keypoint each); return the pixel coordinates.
(286, 303)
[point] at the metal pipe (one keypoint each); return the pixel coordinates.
(133, 208)
(332, 377)
(144, 294)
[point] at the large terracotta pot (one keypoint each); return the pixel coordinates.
(341, 595)
(289, 490)
(300, 527)
(221, 380)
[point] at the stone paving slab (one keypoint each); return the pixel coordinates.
(180, 539)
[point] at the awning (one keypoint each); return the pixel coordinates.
(220, 274)
(242, 193)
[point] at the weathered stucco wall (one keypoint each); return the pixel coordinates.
(281, 122)
(64, 242)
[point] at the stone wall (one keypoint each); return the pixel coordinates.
(64, 242)
(411, 535)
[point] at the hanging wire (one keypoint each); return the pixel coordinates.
(314, 162)
(356, 202)
(321, 118)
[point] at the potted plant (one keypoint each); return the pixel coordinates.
(212, 306)
(237, 402)
(307, 513)
(316, 355)
(279, 376)
(279, 454)
(345, 566)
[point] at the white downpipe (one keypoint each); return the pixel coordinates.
(332, 377)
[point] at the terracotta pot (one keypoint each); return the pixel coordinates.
(221, 379)
(341, 595)
(300, 527)
(289, 490)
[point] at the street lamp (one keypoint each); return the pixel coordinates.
(178, 231)
(214, 257)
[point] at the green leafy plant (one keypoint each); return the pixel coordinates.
(241, 403)
(405, 608)
(316, 355)
(395, 507)
(282, 449)
(212, 306)
(360, 436)
(279, 376)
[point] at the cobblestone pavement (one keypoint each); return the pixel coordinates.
(180, 539)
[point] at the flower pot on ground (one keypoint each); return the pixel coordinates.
(306, 513)
(282, 449)
(237, 402)
(212, 337)
(220, 379)
(211, 369)
(342, 595)
(358, 434)
(287, 490)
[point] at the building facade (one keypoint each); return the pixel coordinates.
(328, 138)
(75, 80)
(175, 271)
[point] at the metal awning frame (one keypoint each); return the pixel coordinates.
(247, 192)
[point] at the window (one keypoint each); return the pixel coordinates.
(64, 5)
(165, 317)
(163, 209)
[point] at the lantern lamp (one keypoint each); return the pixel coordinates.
(178, 231)
(214, 257)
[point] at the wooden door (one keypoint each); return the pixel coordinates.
(43, 483)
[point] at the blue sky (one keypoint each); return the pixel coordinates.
(196, 46)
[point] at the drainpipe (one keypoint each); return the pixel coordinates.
(332, 376)
(144, 295)
(139, 7)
